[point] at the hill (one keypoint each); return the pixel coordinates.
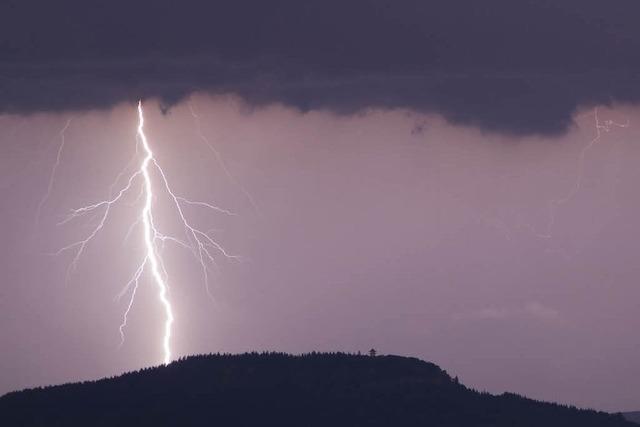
(282, 390)
(632, 416)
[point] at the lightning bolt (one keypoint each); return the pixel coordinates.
(553, 205)
(220, 160)
(52, 175)
(200, 243)
(150, 234)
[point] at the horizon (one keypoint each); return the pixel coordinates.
(271, 354)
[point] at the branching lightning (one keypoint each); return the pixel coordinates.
(200, 243)
(601, 126)
(216, 153)
(553, 205)
(54, 170)
(152, 181)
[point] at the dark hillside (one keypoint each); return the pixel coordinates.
(632, 416)
(282, 390)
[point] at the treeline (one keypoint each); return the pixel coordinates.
(278, 389)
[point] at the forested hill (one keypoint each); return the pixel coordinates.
(317, 389)
(632, 416)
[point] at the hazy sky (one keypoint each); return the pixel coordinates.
(406, 175)
(386, 229)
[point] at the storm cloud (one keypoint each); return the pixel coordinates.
(512, 66)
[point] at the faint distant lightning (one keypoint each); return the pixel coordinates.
(216, 153)
(202, 245)
(54, 170)
(553, 205)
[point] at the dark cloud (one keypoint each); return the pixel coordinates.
(517, 66)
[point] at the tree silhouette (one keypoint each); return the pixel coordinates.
(252, 389)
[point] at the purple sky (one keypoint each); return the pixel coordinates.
(386, 229)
